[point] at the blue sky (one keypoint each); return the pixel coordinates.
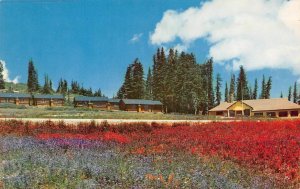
(94, 41)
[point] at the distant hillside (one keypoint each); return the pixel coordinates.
(21, 87)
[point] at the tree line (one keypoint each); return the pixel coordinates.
(185, 86)
(33, 85)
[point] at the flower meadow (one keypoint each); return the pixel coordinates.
(247, 154)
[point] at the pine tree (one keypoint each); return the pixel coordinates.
(226, 93)
(169, 74)
(46, 88)
(148, 85)
(60, 84)
(295, 93)
(138, 80)
(232, 89)
(2, 82)
(218, 89)
(50, 85)
(263, 88)
(121, 92)
(268, 88)
(210, 91)
(158, 74)
(98, 93)
(64, 87)
(32, 81)
(75, 88)
(255, 90)
(250, 92)
(290, 93)
(242, 92)
(128, 82)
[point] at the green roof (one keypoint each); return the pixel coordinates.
(48, 96)
(113, 100)
(14, 95)
(90, 99)
(141, 102)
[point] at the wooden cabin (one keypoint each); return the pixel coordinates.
(91, 102)
(16, 98)
(114, 104)
(139, 105)
(48, 100)
(276, 107)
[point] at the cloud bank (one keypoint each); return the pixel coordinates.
(6, 74)
(254, 33)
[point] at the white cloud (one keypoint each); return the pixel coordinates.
(254, 33)
(6, 74)
(136, 37)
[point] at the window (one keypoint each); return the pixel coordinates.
(247, 112)
(294, 113)
(283, 114)
(231, 113)
(259, 114)
(271, 114)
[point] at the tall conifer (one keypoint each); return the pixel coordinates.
(242, 92)
(295, 93)
(218, 89)
(2, 82)
(255, 90)
(32, 81)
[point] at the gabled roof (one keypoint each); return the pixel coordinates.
(48, 96)
(90, 99)
(14, 95)
(272, 104)
(114, 100)
(262, 105)
(222, 107)
(141, 102)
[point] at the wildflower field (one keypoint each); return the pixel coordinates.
(248, 154)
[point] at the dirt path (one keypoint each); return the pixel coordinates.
(112, 121)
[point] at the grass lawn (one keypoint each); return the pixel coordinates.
(81, 113)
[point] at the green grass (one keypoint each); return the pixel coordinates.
(84, 113)
(69, 112)
(21, 87)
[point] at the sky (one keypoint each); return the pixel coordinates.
(94, 41)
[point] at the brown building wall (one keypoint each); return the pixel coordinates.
(46, 102)
(114, 106)
(144, 108)
(22, 101)
(157, 108)
(97, 105)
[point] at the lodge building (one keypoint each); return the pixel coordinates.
(276, 107)
(101, 103)
(140, 105)
(91, 102)
(48, 100)
(16, 98)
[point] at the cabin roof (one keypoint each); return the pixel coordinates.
(222, 107)
(262, 105)
(14, 95)
(48, 96)
(141, 102)
(114, 100)
(91, 99)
